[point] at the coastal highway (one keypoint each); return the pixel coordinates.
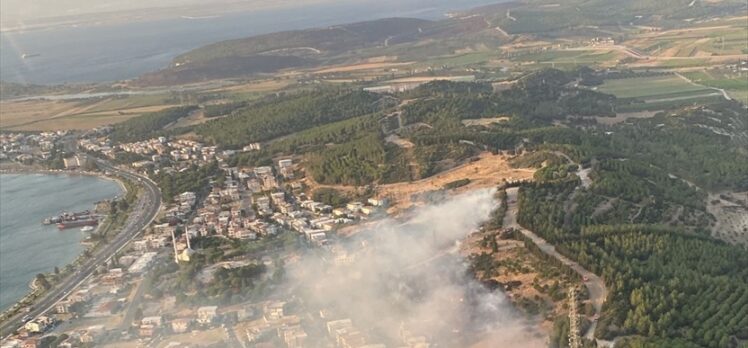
(142, 214)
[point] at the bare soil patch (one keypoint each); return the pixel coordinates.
(362, 66)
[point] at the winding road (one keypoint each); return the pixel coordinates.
(141, 215)
(594, 284)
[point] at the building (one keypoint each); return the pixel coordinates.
(74, 162)
(285, 167)
(38, 325)
(274, 310)
(207, 314)
(294, 336)
(180, 325)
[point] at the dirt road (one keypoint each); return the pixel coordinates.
(594, 284)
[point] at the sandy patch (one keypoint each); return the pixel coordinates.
(484, 121)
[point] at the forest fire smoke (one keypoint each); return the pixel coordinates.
(401, 283)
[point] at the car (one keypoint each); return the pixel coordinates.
(26, 318)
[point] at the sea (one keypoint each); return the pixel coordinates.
(26, 246)
(104, 52)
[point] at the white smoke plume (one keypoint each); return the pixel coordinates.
(398, 281)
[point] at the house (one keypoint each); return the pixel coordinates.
(63, 307)
(286, 168)
(354, 206)
(207, 314)
(180, 325)
(155, 320)
(115, 277)
(38, 325)
(274, 310)
(80, 296)
(90, 334)
(146, 330)
(294, 336)
(378, 202)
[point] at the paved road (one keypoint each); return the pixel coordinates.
(142, 215)
(595, 284)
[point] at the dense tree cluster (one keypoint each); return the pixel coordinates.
(214, 110)
(194, 179)
(359, 162)
(330, 196)
(667, 284)
(281, 116)
(235, 280)
(148, 125)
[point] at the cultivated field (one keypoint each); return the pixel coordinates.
(45, 115)
(651, 87)
(734, 83)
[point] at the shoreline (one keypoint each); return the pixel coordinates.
(31, 170)
(20, 169)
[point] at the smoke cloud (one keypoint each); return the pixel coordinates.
(401, 282)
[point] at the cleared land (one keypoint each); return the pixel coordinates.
(731, 211)
(487, 171)
(362, 66)
(484, 121)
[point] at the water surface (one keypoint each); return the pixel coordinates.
(124, 51)
(26, 246)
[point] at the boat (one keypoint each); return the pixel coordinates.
(87, 229)
(77, 223)
(30, 55)
(65, 217)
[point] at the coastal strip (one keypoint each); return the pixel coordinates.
(33, 293)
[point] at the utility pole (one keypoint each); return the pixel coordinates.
(574, 339)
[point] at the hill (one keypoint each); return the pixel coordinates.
(302, 48)
(547, 17)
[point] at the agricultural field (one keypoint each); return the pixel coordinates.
(604, 57)
(44, 115)
(728, 38)
(654, 87)
(735, 83)
(461, 59)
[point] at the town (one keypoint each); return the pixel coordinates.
(216, 233)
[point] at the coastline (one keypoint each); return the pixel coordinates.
(20, 169)
(23, 169)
